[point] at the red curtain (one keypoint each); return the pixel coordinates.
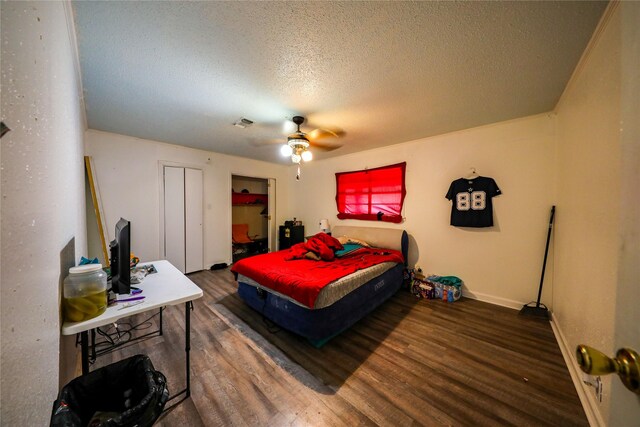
(372, 194)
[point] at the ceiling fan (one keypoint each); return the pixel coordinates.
(299, 144)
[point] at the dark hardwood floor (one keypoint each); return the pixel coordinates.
(409, 362)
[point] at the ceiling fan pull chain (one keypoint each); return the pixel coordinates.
(298, 174)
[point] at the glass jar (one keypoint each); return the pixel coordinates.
(84, 293)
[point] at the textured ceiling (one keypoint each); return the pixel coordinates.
(384, 72)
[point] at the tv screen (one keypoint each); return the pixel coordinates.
(120, 262)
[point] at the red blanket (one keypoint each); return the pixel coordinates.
(321, 244)
(302, 279)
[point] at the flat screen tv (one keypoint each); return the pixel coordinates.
(120, 262)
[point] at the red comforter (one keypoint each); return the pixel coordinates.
(303, 279)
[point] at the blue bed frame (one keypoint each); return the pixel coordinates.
(320, 325)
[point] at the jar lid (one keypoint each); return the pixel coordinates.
(87, 268)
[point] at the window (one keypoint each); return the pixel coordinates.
(372, 194)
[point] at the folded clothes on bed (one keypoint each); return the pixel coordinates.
(349, 249)
(352, 240)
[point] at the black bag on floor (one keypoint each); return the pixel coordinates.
(126, 393)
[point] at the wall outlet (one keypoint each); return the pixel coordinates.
(596, 383)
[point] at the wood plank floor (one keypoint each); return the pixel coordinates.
(408, 363)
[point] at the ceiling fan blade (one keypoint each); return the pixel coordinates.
(325, 139)
(325, 133)
(325, 145)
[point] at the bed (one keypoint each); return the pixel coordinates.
(325, 310)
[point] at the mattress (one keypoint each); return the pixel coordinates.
(334, 290)
(340, 303)
(320, 325)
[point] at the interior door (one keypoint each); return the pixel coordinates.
(271, 219)
(174, 218)
(625, 406)
(193, 211)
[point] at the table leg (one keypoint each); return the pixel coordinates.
(84, 345)
(161, 320)
(93, 345)
(187, 320)
(188, 306)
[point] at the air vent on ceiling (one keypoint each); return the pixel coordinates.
(243, 123)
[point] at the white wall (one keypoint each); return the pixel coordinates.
(127, 169)
(588, 194)
(591, 203)
(42, 200)
(500, 264)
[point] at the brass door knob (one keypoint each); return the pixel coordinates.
(626, 364)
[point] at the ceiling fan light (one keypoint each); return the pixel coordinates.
(295, 158)
(307, 156)
(298, 139)
(286, 150)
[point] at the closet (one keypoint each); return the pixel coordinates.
(183, 218)
(249, 216)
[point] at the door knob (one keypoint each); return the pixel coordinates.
(626, 364)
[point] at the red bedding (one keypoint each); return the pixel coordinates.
(321, 244)
(302, 279)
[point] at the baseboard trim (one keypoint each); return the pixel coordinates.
(585, 393)
(504, 302)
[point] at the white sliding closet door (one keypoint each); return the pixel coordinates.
(183, 218)
(174, 230)
(193, 194)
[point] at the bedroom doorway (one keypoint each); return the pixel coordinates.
(252, 214)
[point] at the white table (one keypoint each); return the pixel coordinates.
(166, 287)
